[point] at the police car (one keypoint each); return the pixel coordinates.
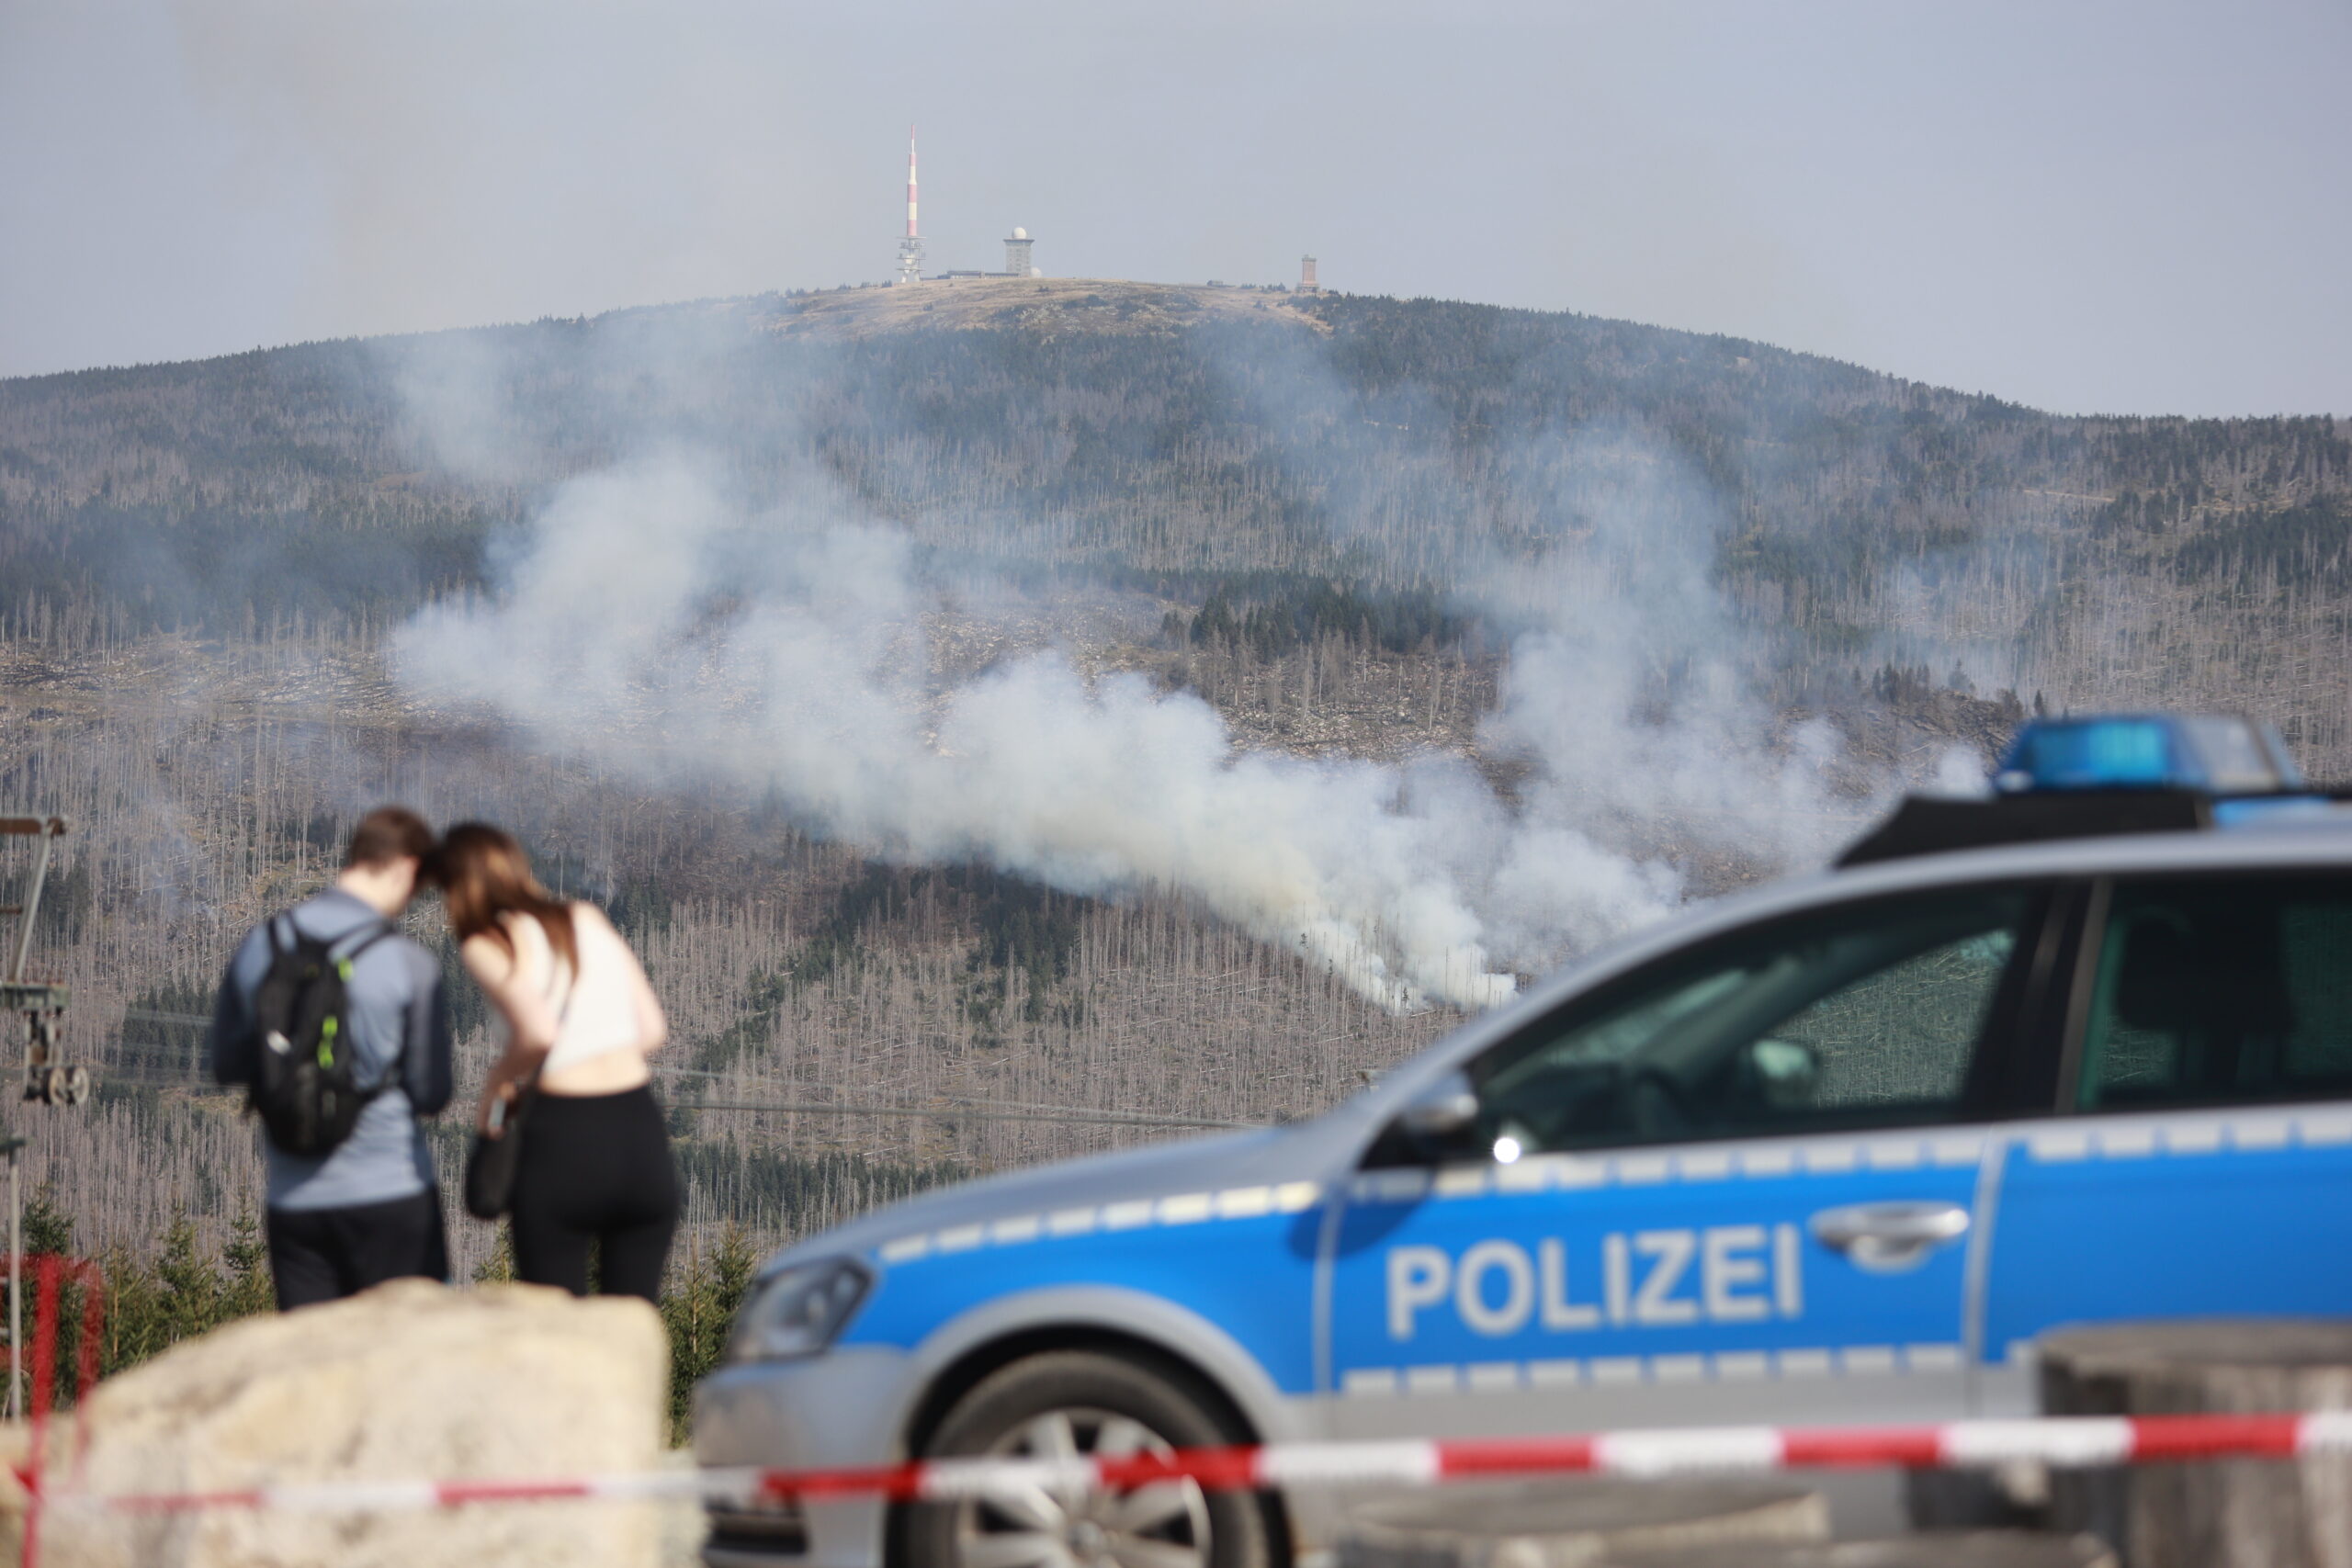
(1833, 1150)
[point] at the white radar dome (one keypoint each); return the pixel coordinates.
(1019, 234)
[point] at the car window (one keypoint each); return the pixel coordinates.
(1871, 1014)
(2215, 989)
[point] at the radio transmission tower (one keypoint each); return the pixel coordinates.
(911, 248)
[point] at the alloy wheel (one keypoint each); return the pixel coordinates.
(1164, 1524)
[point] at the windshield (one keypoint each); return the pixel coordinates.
(1872, 1013)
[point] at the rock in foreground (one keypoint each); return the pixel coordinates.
(408, 1380)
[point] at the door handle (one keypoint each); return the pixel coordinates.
(1889, 1239)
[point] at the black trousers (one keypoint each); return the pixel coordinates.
(322, 1255)
(594, 1171)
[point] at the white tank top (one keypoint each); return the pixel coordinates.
(597, 1009)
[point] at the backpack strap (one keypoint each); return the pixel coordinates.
(280, 946)
(381, 929)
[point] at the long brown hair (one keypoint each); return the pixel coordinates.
(484, 874)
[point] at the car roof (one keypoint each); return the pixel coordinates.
(2301, 844)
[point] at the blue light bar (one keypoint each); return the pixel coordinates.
(2221, 754)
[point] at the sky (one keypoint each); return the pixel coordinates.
(2088, 207)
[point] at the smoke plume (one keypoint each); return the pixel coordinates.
(650, 620)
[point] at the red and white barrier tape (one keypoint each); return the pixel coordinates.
(2068, 1441)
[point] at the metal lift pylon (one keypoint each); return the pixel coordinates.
(39, 1005)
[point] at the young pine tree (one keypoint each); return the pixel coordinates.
(251, 1291)
(699, 1312)
(498, 1269)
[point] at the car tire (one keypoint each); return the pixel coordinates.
(1086, 1402)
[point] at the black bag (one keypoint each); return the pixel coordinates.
(490, 1164)
(305, 1087)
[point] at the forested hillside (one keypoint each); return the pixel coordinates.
(1382, 444)
(1337, 519)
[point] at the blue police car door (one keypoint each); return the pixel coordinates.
(2205, 1168)
(1738, 1184)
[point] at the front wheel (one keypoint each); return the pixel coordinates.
(1076, 1403)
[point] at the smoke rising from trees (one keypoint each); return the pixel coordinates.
(1354, 526)
(650, 618)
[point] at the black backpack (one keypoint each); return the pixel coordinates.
(304, 1084)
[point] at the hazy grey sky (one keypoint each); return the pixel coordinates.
(2141, 205)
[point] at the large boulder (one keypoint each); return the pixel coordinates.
(408, 1381)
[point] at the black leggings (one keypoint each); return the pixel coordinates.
(322, 1254)
(596, 1169)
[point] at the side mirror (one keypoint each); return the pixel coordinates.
(1781, 1074)
(1445, 1110)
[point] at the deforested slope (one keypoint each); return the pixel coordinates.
(1357, 529)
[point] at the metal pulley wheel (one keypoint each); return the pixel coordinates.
(58, 1086)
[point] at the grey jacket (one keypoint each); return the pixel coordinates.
(401, 1029)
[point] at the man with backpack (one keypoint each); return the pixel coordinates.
(334, 1023)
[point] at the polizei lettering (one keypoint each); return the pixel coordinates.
(1643, 1280)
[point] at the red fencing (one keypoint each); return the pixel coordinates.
(50, 1275)
(2061, 1442)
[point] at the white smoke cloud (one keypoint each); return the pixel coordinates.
(650, 618)
(651, 625)
(649, 622)
(1631, 686)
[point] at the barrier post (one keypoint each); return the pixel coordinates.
(44, 1360)
(50, 1274)
(15, 1286)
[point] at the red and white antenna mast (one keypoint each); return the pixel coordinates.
(911, 248)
